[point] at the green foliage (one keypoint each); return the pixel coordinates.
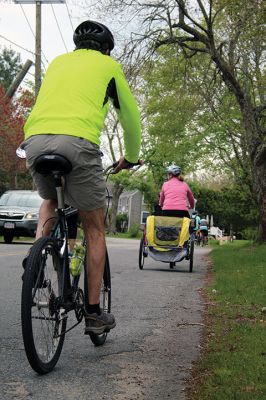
(193, 120)
(142, 180)
(250, 234)
(121, 221)
(232, 207)
(10, 65)
(133, 231)
(170, 107)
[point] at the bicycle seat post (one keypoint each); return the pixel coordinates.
(57, 166)
(58, 179)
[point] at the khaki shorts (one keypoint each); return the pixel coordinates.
(85, 184)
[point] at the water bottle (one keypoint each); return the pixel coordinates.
(77, 260)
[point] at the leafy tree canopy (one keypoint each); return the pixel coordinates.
(10, 65)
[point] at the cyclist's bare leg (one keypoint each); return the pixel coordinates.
(94, 230)
(47, 210)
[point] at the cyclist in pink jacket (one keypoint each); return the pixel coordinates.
(176, 196)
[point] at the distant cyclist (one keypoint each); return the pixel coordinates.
(67, 119)
(204, 230)
(176, 197)
(195, 216)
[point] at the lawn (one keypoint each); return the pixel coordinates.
(233, 360)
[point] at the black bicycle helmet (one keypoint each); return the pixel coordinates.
(92, 30)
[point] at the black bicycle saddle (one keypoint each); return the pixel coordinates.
(47, 164)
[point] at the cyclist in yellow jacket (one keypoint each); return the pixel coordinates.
(67, 119)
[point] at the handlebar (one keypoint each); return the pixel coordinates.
(129, 165)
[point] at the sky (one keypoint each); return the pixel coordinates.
(17, 24)
(17, 28)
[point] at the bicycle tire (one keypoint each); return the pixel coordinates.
(191, 255)
(141, 253)
(105, 301)
(39, 310)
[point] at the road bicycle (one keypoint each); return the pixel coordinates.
(204, 240)
(197, 236)
(49, 292)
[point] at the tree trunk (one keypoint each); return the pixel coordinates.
(258, 160)
(116, 192)
(260, 191)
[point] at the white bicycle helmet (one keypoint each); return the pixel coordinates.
(173, 169)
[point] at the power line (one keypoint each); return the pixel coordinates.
(28, 22)
(69, 16)
(59, 28)
(21, 47)
(33, 33)
(15, 44)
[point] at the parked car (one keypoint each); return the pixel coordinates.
(19, 213)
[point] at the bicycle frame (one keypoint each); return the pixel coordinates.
(60, 232)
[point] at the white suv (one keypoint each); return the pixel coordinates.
(19, 213)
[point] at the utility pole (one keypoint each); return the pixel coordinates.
(38, 39)
(38, 48)
(18, 79)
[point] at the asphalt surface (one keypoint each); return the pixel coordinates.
(147, 356)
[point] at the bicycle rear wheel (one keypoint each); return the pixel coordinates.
(43, 321)
(105, 299)
(191, 255)
(141, 253)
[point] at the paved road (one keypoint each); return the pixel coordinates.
(147, 356)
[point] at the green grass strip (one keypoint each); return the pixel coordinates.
(233, 363)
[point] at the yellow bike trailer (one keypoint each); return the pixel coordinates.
(167, 239)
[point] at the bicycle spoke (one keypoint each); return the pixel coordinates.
(42, 325)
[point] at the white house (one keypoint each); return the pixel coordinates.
(132, 203)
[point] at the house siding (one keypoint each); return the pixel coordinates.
(131, 203)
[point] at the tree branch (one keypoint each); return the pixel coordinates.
(207, 20)
(183, 13)
(181, 41)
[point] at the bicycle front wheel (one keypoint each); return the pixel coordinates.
(43, 321)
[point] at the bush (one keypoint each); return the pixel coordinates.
(133, 231)
(121, 222)
(250, 234)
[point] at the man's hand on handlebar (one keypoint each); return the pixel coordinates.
(124, 164)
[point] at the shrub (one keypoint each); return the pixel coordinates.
(133, 231)
(250, 234)
(121, 222)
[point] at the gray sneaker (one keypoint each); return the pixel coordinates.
(99, 324)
